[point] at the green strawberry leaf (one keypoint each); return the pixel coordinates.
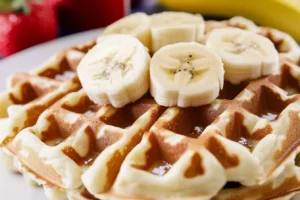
(20, 6)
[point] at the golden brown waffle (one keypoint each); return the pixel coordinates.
(83, 132)
(248, 136)
(242, 146)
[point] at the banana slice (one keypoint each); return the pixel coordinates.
(284, 43)
(115, 71)
(136, 25)
(236, 22)
(243, 23)
(185, 74)
(245, 55)
(173, 27)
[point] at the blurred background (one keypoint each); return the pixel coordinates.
(25, 23)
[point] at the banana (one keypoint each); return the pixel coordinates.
(242, 23)
(246, 55)
(185, 74)
(280, 14)
(173, 27)
(115, 71)
(136, 25)
(237, 22)
(284, 43)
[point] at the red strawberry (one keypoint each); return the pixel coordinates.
(55, 3)
(22, 30)
(79, 15)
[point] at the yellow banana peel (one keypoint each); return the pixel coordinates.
(281, 14)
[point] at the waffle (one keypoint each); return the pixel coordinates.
(242, 146)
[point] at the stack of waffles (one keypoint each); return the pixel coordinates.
(243, 145)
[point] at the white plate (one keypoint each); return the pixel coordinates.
(12, 186)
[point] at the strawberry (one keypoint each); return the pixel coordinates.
(20, 29)
(80, 15)
(55, 3)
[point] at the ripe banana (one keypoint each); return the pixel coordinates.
(173, 27)
(115, 71)
(185, 74)
(136, 25)
(281, 14)
(246, 55)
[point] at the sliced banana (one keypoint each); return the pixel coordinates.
(185, 74)
(284, 43)
(245, 55)
(243, 23)
(173, 27)
(136, 25)
(115, 71)
(236, 22)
